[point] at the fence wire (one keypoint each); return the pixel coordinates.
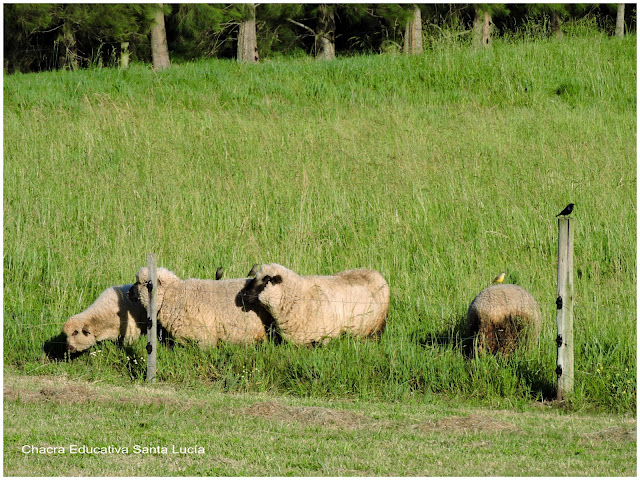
(426, 337)
(245, 302)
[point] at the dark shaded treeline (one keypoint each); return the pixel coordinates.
(51, 36)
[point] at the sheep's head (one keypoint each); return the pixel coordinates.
(80, 333)
(140, 291)
(268, 285)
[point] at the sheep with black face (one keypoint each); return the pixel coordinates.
(314, 309)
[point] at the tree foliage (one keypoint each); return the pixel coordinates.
(49, 36)
(45, 36)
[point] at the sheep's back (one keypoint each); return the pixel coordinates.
(365, 299)
(496, 301)
(207, 311)
(354, 301)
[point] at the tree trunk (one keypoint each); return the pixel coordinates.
(326, 34)
(69, 57)
(556, 31)
(247, 40)
(487, 30)
(413, 33)
(159, 48)
(620, 21)
(482, 29)
(124, 55)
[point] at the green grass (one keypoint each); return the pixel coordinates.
(266, 435)
(439, 171)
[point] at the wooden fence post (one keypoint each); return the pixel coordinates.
(564, 309)
(152, 322)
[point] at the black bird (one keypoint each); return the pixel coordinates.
(567, 211)
(219, 273)
(253, 271)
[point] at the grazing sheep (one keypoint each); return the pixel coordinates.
(502, 317)
(202, 310)
(314, 309)
(110, 317)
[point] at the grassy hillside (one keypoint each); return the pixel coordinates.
(439, 171)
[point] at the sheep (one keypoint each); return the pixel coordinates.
(314, 309)
(502, 316)
(111, 317)
(204, 311)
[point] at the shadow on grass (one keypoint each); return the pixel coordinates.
(542, 388)
(460, 338)
(56, 349)
(456, 336)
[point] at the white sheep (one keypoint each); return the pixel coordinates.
(205, 311)
(503, 317)
(314, 309)
(110, 317)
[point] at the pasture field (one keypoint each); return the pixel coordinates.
(439, 171)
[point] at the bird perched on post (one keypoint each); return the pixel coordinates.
(567, 211)
(219, 273)
(499, 278)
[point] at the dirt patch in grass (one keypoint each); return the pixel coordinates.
(616, 434)
(68, 394)
(64, 392)
(352, 420)
(311, 415)
(471, 423)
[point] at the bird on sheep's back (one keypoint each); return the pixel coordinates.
(503, 317)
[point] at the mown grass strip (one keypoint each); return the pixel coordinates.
(161, 430)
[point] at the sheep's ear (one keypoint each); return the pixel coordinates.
(277, 279)
(266, 279)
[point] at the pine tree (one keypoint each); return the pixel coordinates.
(483, 23)
(159, 47)
(326, 32)
(247, 37)
(555, 12)
(319, 21)
(201, 30)
(413, 33)
(620, 21)
(70, 36)
(23, 27)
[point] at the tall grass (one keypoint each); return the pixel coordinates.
(438, 170)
